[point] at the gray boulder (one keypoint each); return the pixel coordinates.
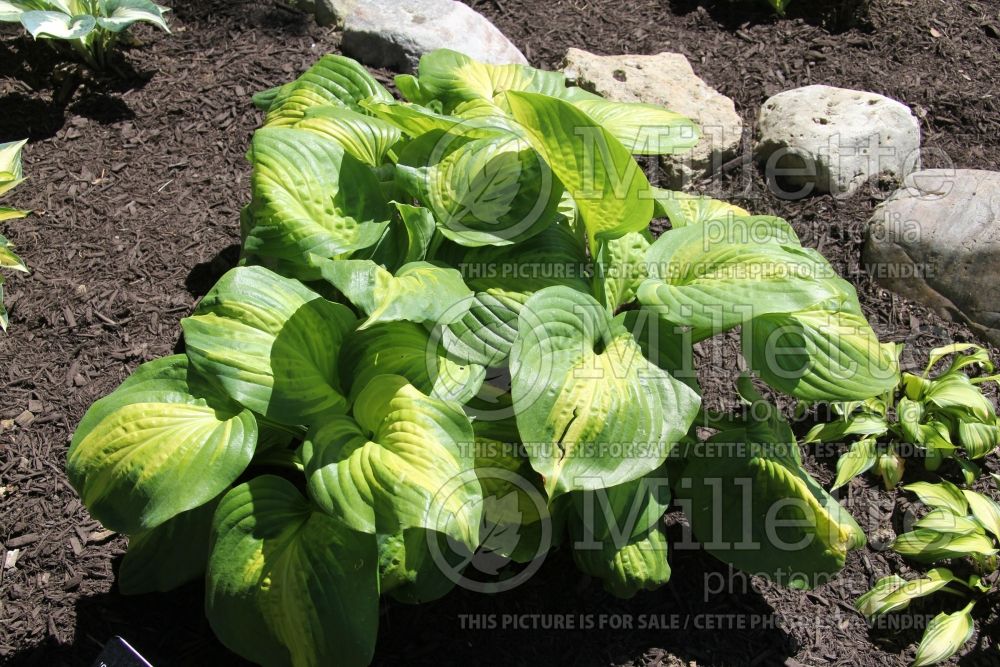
(666, 79)
(937, 241)
(832, 140)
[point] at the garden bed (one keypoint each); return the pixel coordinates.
(137, 187)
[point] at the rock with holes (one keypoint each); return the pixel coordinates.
(395, 33)
(937, 241)
(668, 80)
(820, 139)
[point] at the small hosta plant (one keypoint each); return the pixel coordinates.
(91, 28)
(453, 343)
(961, 525)
(11, 175)
(937, 417)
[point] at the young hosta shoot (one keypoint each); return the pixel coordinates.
(933, 416)
(960, 525)
(91, 28)
(11, 175)
(454, 342)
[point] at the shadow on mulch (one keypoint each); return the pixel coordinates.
(835, 16)
(204, 276)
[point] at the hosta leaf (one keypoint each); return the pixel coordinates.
(364, 137)
(705, 276)
(403, 460)
(299, 204)
(419, 292)
(893, 593)
(11, 171)
(943, 494)
(408, 571)
(415, 121)
(871, 603)
(271, 343)
(493, 191)
(857, 424)
(663, 344)
(978, 439)
(407, 238)
(8, 258)
(820, 355)
(12, 213)
(683, 209)
(407, 349)
(975, 354)
(643, 129)
(486, 332)
(3, 311)
(860, 458)
(288, 584)
(639, 565)
(620, 513)
(957, 391)
(753, 505)
(927, 545)
(985, 509)
(621, 268)
(120, 14)
(163, 443)
(57, 25)
(333, 81)
(945, 634)
(944, 521)
(609, 188)
(172, 554)
(582, 387)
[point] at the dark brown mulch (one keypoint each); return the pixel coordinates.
(137, 187)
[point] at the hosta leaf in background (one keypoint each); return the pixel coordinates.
(57, 25)
(985, 509)
(943, 494)
(406, 349)
(333, 81)
(409, 572)
(620, 269)
(944, 521)
(957, 391)
(310, 196)
(582, 387)
(288, 584)
(643, 129)
(407, 238)
(609, 188)
(419, 292)
(683, 209)
(163, 443)
(172, 554)
(820, 355)
(976, 355)
(403, 460)
(893, 593)
(663, 344)
(945, 634)
(927, 545)
(366, 138)
(120, 14)
(11, 171)
(978, 439)
(639, 565)
(8, 258)
(858, 459)
(271, 343)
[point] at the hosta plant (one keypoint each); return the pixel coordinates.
(91, 28)
(934, 416)
(11, 175)
(453, 335)
(962, 527)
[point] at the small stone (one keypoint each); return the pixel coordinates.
(831, 140)
(35, 406)
(668, 80)
(10, 560)
(24, 419)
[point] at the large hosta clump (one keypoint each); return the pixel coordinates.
(451, 325)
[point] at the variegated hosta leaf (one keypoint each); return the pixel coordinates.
(966, 354)
(57, 25)
(419, 292)
(492, 191)
(663, 343)
(927, 545)
(610, 190)
(309, 196)
(11, 172)
(683, 209)
(161, 444)
(978, 439)
(12, 213)
(956, 391)
(643, 129)
(415, 121)
(820, 355)
(862, 423)
(710, 277)
(944, 494)
(641, 564)
(271, 343)
(620, 269)
(944, 521)
(120, 14)
(753, 505)
(366, 138)
(583, 390)
(407, 349)
(404, 460)
(3, 311)
(333, 81)
(985, 509)
(893, 593)
(857, 460)
(944, 636)
(8, 258)
(172, 554)
(409, 571)
(407, 238)
(620, 513)
(288, 584)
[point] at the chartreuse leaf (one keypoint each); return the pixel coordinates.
(8, 258)
(620, 513)
(639, 565)
(366, 138)
(862, 423)
(858, 459)
(120, 14)
(271, 343)
(753, 505)
(416, 121)
(419, 292)
(944, 494)
(172, 554)
(893, 593)
(927, 545)
(710, 277)
(985, 509)
(161, 444)
(683, 209)
(288, 584)
(407, 349)
(609, 188)
(407, 238)
(956, 391)
(11, 171)
(945, 634)
(976, 354)
(944, 521)
(978, 439)
(620, 269)
(310, 196)
(333, 81)
(42, 24)
(582, 390)
(490, 191)
(643, 129)
(403, 460)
